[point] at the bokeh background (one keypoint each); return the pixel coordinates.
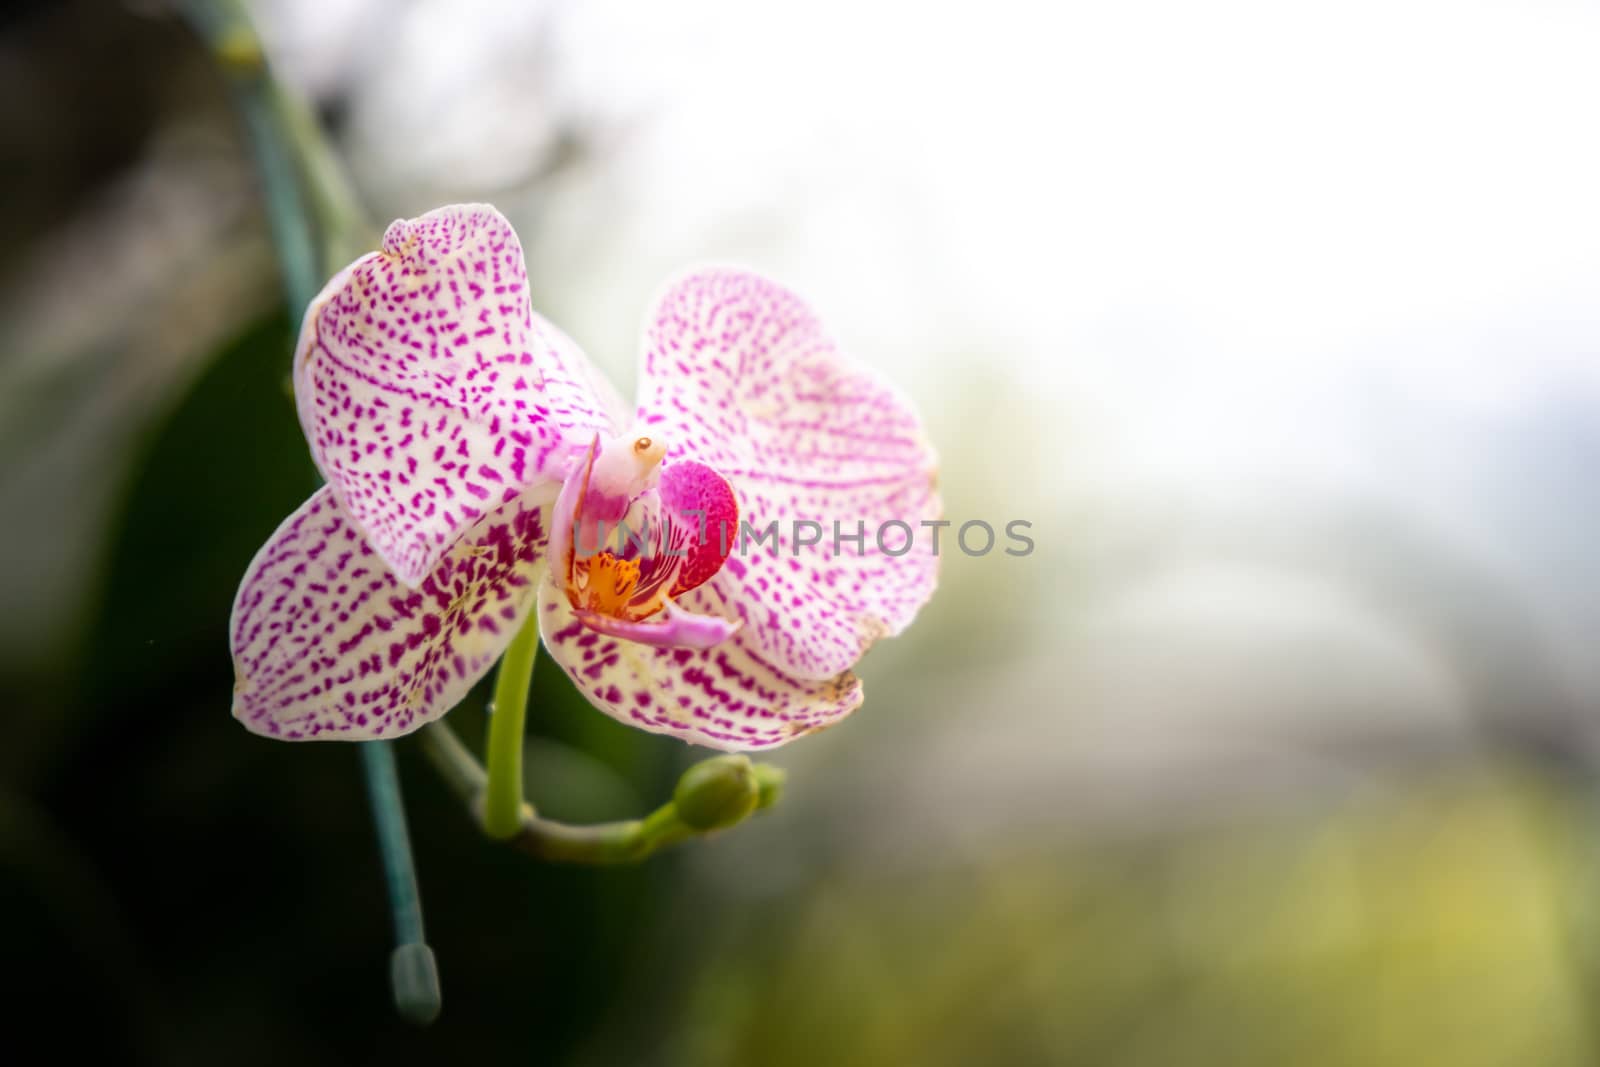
(1279, 322)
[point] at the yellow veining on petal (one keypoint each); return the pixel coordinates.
(841, 684)
(241, 679)
(834, 689)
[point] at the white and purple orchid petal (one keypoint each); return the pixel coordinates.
(429, 390)
(727, 696)
(328, 643)
(738, 374)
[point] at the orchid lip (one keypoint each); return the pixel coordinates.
(676, 629)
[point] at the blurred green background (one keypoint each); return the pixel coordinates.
(1279, 329)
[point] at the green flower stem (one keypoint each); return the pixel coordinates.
(458, 767)
(598, 844)
(317, 226)
(502, 800)
(317, 221)
(344, 231)
(237, 52)
(414, 975)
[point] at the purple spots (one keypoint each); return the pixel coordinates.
(740, 378)
(442, 465)
(766, 399)
(329, 663)
(351, 352)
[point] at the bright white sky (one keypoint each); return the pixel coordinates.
(1352, 245)
(1210, 226)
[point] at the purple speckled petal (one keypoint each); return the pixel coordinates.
(429, 390)
(738, 374)
(728, 697)
(327, 643)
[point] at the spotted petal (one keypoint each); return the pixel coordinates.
(739, 375)
(328, 643)
(728, 697)
(429, 390)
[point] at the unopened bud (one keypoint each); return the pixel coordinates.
(769, 784)
(717, 792)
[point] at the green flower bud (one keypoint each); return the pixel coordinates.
(717, 792)
(769, 783)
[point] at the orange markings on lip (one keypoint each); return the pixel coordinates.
(609, 583)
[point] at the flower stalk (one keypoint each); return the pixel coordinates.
(462, 437)
(413, 972)
(502, 802)
(627, 841)
(316, 224)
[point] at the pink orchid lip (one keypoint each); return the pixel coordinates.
(676, 629)
(633, 535)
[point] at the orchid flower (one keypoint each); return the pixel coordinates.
(478, 469)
